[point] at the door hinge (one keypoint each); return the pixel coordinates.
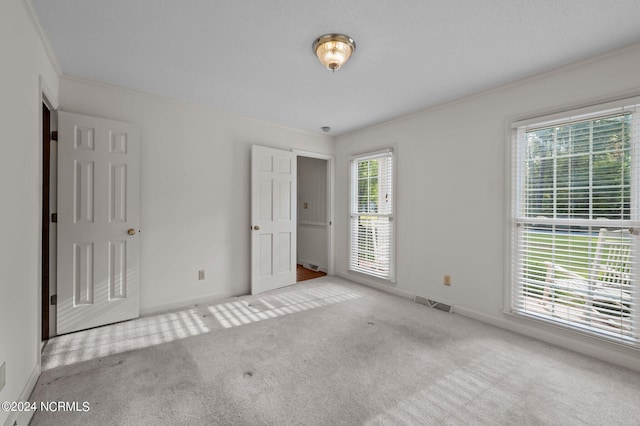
(54, 218)
(54, 299)
(54, 135)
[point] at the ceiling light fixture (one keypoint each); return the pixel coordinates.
(334, 50)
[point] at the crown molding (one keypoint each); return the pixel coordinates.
(35, 20)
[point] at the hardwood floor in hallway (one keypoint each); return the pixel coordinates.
(303, 274)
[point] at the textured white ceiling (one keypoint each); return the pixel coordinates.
(254, 58)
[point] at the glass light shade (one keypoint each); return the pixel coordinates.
(334, 50)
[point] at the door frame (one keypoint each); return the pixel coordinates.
(45, 219)
(45, 97)
(330, 201)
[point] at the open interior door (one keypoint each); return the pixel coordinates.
(98, 218)
(273, 218)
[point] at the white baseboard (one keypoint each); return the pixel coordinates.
(388, 288)
(152, 310)
(22, 418)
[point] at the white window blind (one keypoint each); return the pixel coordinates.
(372, 214)
(574, 254)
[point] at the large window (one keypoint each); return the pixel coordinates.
(575, 221)
(372, 214)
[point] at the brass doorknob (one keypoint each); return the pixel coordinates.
(131, 231)
(256, 228)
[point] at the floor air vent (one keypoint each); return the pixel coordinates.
(434, 304)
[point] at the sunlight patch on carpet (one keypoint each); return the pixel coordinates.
(154, 330)
(233, 314)
(466, 395)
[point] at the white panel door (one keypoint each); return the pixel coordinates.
(273, 217)
(98, 218)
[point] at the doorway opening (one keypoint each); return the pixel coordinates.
(48, 221)
(313, 224)
(46, 184)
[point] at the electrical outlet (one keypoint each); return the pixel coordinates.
(201, 274)
(3, 375)
(447, 280)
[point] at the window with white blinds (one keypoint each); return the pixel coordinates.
(372, 215)
(574, 254)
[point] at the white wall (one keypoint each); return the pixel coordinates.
(24, 64)
(451, 189)
(195, 186)
(312, 220)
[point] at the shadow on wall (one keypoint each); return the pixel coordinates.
(163, 328)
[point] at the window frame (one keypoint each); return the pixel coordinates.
(513, 194)
(380, 153)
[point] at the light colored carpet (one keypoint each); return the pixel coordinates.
(326, 352)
